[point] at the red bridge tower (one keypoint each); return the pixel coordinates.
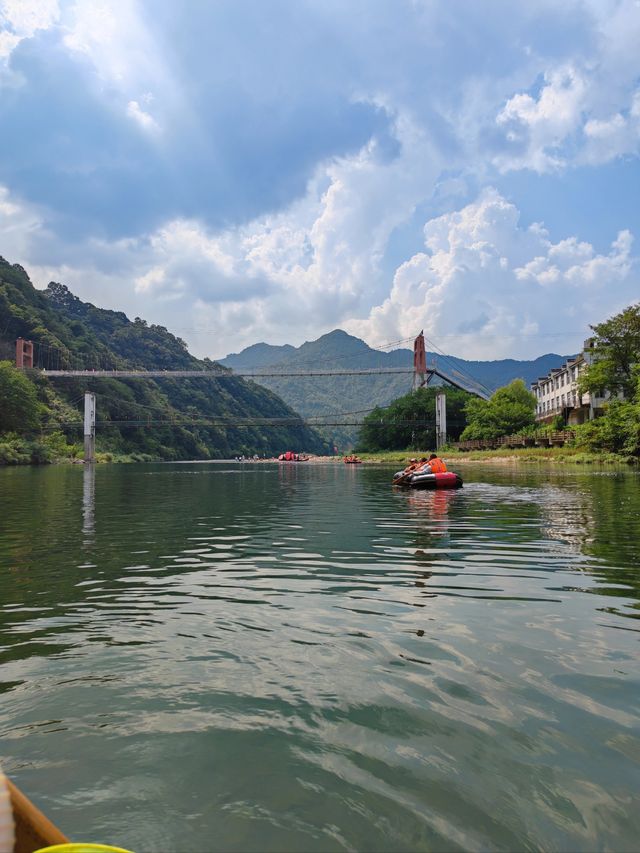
(24, 353)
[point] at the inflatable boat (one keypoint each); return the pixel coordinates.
(448, 480)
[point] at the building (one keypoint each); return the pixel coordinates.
(558, 393)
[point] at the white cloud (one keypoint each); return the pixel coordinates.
(7, 43)
(142, 118)
(120, 46)
(483, 287)
(20, 19)
(113, 38)
(485, 284)
(286, 275)
(538, 128)
(281, 276)
(613, 136)
(588, 108)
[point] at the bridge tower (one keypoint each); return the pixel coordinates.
(419, 362)
(24, 353)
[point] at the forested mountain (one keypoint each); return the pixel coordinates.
(70, 333)
(338, 350)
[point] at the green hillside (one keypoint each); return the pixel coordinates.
(339, 350)
(70, 333)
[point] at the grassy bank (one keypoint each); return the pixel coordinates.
(529, 455)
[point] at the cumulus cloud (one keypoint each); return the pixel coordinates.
(20, 19)
(306, 267)
(489, 286)
(537, 128)
(303, 268)
(587, 110)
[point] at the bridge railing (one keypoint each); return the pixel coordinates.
(536, 439)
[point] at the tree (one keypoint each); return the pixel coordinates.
(20, 410)
(509, 410)
(616, 354)
(409, 421)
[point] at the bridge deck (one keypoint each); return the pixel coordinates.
(460, 383)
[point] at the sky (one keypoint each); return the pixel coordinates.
(269, 170)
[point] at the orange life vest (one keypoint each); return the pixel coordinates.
(437, 466)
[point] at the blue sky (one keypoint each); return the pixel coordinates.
(267, 170)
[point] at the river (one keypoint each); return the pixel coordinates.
(229, 657)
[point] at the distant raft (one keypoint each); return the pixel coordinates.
(447, 480)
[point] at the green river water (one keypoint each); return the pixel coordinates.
(213, 657)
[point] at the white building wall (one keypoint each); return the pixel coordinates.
(558, 392)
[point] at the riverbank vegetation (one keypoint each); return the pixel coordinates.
(526, 455)
(616, 368)
(508, 411)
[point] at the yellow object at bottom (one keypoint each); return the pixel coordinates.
(81, 848)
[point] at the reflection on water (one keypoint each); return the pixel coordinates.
(88, 503)
(257, 657)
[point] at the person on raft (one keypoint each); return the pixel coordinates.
(432, 465)
(412, 468)
(436, 465)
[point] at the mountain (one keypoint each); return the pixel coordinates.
(168, 418)
(338, 394)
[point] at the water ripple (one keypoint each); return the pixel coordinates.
(260, 658)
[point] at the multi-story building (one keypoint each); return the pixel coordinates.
(558, 394)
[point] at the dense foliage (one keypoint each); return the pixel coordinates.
(616, 368)
(508, 411)
(616, 431)
(616, 354)
(20, 410)
(197, 416)
(410, 421)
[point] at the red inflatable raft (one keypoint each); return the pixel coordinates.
(448, 480)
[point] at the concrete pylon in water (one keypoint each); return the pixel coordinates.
(89, 427)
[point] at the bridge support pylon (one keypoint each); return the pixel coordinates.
(24, 353)
(441, 419)
(89, 427)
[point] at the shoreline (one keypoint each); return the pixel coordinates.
(526, 456)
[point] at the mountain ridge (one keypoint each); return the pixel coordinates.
(340, 350)
(341, 345)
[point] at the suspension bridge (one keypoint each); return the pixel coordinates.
(422, 374)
